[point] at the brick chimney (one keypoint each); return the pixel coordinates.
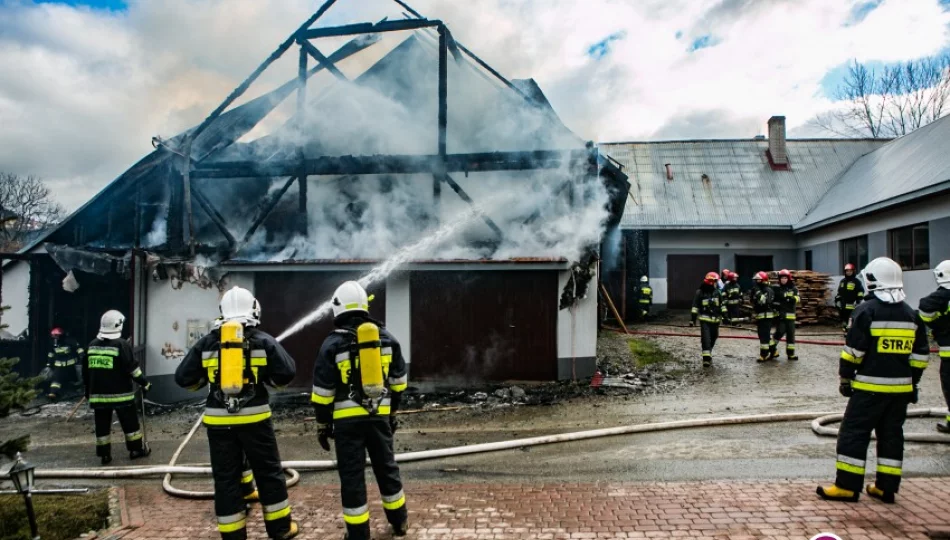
(777, 152)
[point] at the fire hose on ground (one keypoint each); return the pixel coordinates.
(819, 419)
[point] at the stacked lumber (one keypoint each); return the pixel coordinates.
(814, 290)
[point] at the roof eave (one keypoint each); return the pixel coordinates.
(700, 227)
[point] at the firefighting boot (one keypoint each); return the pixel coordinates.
(707, 360)
(880, 494)
(834, 493)
(105, 460)
(293, 531)
(144, 452)
(944, 427)
(402, 529)
(773, 351)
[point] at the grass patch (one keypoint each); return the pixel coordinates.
(645, 353)
(58, 517)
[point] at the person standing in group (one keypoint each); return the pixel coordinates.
(850, 294)
(733, 294)
(358, 380)
(762, 298)
(644, 298)
(786, 301)
(709, 308)
(238, 361)
(64, 361)
(935, 312)
(884, 357)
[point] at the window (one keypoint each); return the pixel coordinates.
(910, 246)
(855, 251)
(808, 260)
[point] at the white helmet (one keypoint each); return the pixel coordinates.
(644, 279)
(349, 297)
(942, 273)
(885, 279)
(110, 325)
(238, 304)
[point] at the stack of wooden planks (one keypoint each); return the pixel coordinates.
(813, 288)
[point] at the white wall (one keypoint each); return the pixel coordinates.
(398, 319)
(16, 282)
(659, 290)
(579, 340)
(918, 284)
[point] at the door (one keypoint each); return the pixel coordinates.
(684, 273)
(286, 297)
(749, 265)
(484, 326)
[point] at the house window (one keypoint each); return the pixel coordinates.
(855, 251)
(808, 260)
(910, 246)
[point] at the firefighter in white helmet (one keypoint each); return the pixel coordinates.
(237, 360)
(884, 357)
(358, 380)
(108, 370)
(643, 295)
(935, 312)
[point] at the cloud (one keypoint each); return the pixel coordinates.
(83, 90)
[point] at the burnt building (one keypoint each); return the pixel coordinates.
(462, 190)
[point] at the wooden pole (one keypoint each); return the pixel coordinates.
(76, 408)
(613, 308)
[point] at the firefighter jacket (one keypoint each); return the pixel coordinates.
(786, 300)
(850, 293)
(935, 313)
(108, 371)
(886, 350)
(762, 297)
(708, 305)
(66, 352)
(733, 293)
(269, 362)
(644, 295)
(337, 388)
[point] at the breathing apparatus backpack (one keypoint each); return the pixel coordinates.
(366, 373)
(236, 381)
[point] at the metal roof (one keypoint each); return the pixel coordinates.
(912, 166)
(741, 191)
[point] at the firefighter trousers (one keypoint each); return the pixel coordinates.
(784, 328)
(945, 382)
(354, 439)
(733, 310)
(128, 419)
(63, 378)
(884, 414)
(764, 329)
(232, 447)
(709, 333)
(844, 314)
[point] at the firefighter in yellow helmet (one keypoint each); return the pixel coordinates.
(237, 360)
(358, 380)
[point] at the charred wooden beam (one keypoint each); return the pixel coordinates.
(186, 188)
(465, 197)
(281, 49)
(301, 126)
(267, 208)
(369, 28)
(395, 164)
(214, 215)
(325, 62)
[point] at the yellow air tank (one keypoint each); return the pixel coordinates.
(371, 365)
(231, 364)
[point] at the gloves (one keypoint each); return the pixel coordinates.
(324, 434)
(915, 395)
(394, 424)
(845, 388)
(692, 323)
(146, 387)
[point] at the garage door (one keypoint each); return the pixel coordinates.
(286, 297)
(485, 325)
(684, 273)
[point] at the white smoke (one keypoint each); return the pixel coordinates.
(159, 234)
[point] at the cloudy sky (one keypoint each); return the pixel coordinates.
(85, 84)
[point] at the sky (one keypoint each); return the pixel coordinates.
(86, 84)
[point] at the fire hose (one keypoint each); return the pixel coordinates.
(819, 419)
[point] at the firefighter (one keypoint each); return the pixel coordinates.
(762, 298)
(237, 359)
(723, 276)
(850, 294)
(358, 380)
(710, 309)
(108, 371)
(733, 294)
(786, 300)
(644, 296)
(884, 357)
(935, 312)
(64, 361)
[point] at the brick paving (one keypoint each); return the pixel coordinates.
(720, 510)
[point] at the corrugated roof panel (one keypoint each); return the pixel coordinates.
(743, 190)
(916, 161)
